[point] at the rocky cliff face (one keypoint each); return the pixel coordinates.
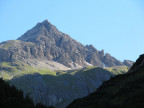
(45, 45)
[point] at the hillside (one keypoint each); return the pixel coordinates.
(121, 91)
(59, 90)
(10, 97)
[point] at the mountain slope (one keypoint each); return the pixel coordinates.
(122, 91)
(45, 46)
(62, 89)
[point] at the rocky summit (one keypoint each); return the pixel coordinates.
(44, 46)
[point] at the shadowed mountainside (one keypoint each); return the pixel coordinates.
(60, 90)
(121, 91)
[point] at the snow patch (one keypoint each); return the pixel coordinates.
(88, 64)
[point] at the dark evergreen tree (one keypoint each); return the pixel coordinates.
(10, 97)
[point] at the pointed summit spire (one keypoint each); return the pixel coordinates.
(48, 25)
(46, 22)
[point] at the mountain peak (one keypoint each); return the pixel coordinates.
(46, 21)
(47, 24)
(43, 29)
(52, 45)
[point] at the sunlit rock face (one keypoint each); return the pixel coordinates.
(44, 43)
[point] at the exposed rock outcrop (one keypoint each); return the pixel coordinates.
(128, 63)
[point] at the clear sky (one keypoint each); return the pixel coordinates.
(117, 26)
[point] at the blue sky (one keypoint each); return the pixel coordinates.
(117, 26)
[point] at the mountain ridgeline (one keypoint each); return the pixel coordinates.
(45, 46)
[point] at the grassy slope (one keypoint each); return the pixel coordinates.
(12, 69)
(117, 69)
(53, 79)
